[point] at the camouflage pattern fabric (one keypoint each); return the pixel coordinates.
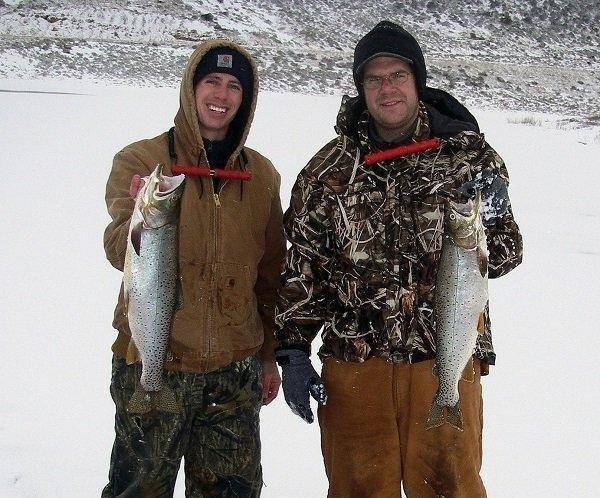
(365, 242)
(217, 433)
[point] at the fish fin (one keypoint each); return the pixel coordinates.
(140, 403)
(136, 237)
(482, 262)
(438, 415)
(468, 374)
(435, 417)
(477, 201)
(454, 417)
(132, 355)
(164, 401)
(481, 324)
(179, 295)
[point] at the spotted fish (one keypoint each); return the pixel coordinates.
(150, 281)
(461, 294)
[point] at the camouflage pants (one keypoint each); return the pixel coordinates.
(216, 431)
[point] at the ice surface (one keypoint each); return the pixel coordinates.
(56, 416)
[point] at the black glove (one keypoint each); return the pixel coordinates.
(494, 195)
(299, 378)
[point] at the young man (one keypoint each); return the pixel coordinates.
(365, 243)
(220, 362)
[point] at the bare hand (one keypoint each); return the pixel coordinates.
(271, 380)
(136, 184)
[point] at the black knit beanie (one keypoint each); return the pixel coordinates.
(226, 60)
(389, 39)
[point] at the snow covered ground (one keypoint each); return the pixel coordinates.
(541, 400)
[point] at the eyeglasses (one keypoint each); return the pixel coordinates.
(394, 79)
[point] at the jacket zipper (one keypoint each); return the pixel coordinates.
(215, 265)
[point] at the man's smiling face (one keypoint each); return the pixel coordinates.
(393, 106)
(218, 97)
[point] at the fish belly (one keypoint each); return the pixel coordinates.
(152, 297)
(461, 295)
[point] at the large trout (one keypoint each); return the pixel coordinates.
(150, 281)
(461, 294)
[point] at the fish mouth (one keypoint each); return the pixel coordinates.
(167, 185)
(464, 209)
(160, 197)
(160, 186)
(463, 222)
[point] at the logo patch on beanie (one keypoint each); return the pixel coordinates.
(225, 60)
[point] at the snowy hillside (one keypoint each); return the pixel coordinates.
(522, 54)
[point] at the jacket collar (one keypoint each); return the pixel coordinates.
(353, 121)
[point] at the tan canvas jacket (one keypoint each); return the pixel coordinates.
(231, 243)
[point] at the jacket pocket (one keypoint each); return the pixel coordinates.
(360, 224)
(234, 294)
(236, 313)
(430, 224)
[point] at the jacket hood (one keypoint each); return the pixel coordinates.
(186, 120)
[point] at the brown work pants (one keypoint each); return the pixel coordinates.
(373, 434)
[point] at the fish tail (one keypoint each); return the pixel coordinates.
(435, 417)
(438, 415)
(164, 401)
(454, 417)
(140, 403)
(143, 401)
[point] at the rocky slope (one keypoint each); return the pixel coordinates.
(537, 55)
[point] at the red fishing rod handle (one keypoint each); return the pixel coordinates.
(401, 151)
(206, 172)
(233, 175)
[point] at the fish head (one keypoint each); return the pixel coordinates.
(159, 198)
(462, 221)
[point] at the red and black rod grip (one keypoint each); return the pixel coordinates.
(206, 172)
(401, 151)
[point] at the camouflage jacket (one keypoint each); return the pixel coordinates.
(365, 241)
